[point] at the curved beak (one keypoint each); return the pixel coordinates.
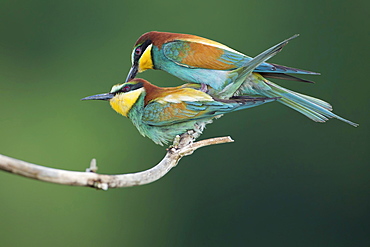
(104, 96)
(132, 73)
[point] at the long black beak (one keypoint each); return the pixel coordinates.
(132, 73)
(104, 96)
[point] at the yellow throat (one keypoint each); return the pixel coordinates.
(146, 61)
(123, 102)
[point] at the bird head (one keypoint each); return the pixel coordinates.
(122, 96)
(141, 57)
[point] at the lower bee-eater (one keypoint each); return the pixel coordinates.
(163, 113)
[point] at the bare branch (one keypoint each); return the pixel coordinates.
(184, 147)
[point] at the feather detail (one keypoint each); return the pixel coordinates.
(172, 94)
(162, 113)
(186, 94)
(160, 38)
(201, 55)
(122, 103)
(284, 77)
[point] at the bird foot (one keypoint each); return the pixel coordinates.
(183, 140)
(176, 143)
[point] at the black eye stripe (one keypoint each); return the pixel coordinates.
(136, 86)
(141, 48)
(129, 87)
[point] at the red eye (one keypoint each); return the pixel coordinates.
(138, 51)
(125, 89)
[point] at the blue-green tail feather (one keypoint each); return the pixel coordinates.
(315, 109)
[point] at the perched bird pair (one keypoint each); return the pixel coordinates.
(220, 80)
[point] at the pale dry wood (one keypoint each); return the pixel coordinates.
(184, 147)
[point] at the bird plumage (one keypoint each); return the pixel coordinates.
(163, 113)
(193, 58)
(199, 60)
(313, 108)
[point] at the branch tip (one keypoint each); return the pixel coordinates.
(93, 167)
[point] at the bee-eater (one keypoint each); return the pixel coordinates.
(163, 113)
(199, 60)
(196, 59)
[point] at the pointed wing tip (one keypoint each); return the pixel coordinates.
(293, 37)
(354, 124)
(310, 72)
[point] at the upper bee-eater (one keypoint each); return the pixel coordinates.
(199, 60)
(196, 59)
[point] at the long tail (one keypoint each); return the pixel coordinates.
(237, 77)
(315, 109)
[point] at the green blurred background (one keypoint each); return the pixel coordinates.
(286, 181)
